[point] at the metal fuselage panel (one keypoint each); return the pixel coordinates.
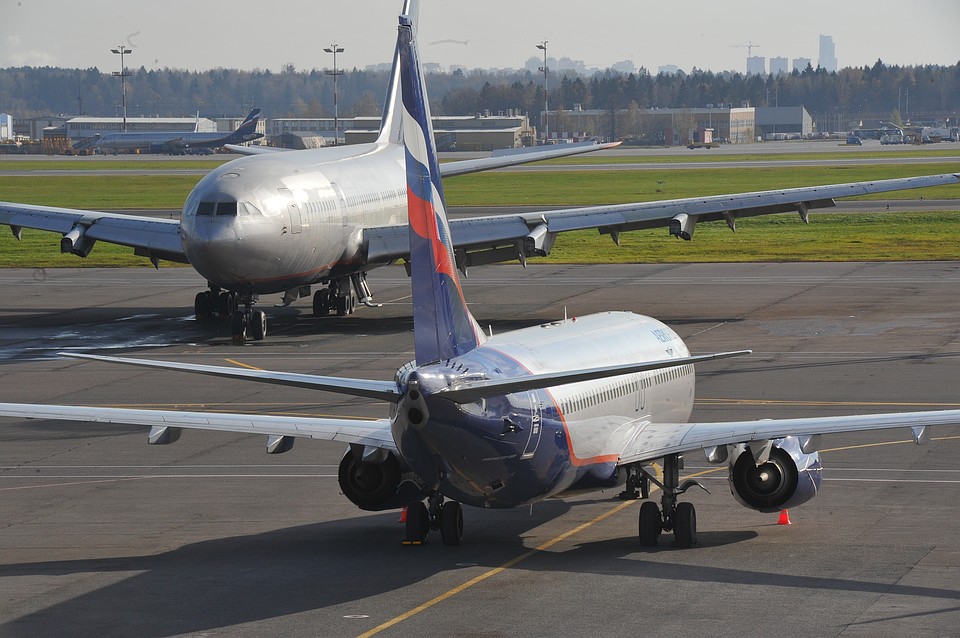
(519, 448)
(299, 215)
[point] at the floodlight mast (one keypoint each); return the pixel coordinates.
(335, 49)
(123, 75)
(546, 107)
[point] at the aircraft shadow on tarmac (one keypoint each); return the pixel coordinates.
(230, 581)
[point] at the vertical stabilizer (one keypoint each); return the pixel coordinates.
(390, 122)
(443, 327)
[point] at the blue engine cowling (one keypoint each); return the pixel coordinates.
(790, 477)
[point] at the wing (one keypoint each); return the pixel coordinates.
(149, 237)
(373, 432)
(515, 157)
(654, 440)
(484, 240)
(239, 149)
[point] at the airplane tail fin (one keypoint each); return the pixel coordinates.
(249, 124)
(391, 121)
(443, 326)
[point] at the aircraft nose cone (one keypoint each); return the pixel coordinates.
(214, 248)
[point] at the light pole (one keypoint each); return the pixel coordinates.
(335, 49)
(122, 50)
(546, 106)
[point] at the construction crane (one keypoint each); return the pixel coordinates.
(749, 46)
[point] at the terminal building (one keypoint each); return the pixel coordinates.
(667, 127)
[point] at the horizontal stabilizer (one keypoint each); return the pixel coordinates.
(470, 391)
(380, 390)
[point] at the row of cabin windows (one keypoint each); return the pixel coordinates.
(232, 208)
(615, 391)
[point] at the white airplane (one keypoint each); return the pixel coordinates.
(286, 222)
(178, 141)
(504, 421)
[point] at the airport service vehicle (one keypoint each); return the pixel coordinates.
(511, 419)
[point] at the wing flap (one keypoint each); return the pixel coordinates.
(372, 432)
(654, 440)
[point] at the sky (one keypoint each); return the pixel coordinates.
(242, 34)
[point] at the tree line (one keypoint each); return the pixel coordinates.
(878, 92)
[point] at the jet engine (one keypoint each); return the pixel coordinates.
(787, 478)
(376, 481)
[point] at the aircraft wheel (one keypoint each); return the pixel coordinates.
(343, 306)
(258, 325)
(201, 305)
(451, 523)
(321, 303)
(685, 525)
(239, 326)
(226, 304)
(418, 523)
(650, 524)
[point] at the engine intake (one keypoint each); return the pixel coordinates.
(377, 484)
(788, 478)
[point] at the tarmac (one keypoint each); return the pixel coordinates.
(103, 535)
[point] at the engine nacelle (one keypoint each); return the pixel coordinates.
(788, 478)
(380, 483)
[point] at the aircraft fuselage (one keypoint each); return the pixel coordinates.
(270, 223)
(523, 447)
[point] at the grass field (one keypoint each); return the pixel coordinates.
(829, 237)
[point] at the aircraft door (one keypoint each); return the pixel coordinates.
(533, 426)
(293, 209)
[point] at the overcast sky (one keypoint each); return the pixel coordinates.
(205, 34)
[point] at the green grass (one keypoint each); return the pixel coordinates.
(107, 164)
(829, 237)
(830, 152)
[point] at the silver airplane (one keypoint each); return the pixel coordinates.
(179, 141)
(507, 420)
(316, 221)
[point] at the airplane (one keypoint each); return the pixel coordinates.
(289, 222)
(179, 141)
(507, 420)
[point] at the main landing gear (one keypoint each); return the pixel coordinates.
(444, 516)
(343, 296)
(245, 322)
(680, 518)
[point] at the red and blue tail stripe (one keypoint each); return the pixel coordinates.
(443, 327)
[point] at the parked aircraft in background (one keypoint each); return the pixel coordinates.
(177, 141)
(504, 421)
(316, 221)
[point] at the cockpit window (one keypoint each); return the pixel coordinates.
(225, 209)
(206, 208)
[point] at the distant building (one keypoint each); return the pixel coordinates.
(779, 66)
(828, 54)
(662, 127)
(668, 69)
(6, 127)
(783, 122)
(624, 66)
(800, 64)
(756, 65)
(84, 126)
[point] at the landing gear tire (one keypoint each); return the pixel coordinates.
(226, 304)
(685, 525)
(238, 326)
(650, 524)
(321, 303)
(451, 523)
(258, 325)
(418, 523)
(202, 306)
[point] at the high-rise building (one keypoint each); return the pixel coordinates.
(828, 54)
(779, 66)
(800, 64)
(756, 65)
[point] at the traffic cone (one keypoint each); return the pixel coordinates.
(403, 514)
(784, 518)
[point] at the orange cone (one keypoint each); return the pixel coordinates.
(784, 518)
(403, 514)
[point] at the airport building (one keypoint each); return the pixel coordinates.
(783, 122)
(481, 132)
(667, 127)
(84, 126)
